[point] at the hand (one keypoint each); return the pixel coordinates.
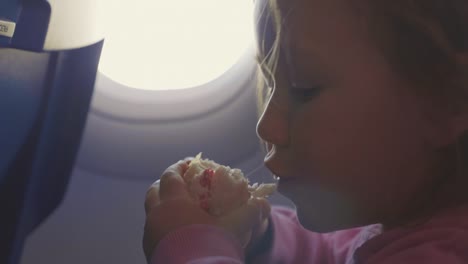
(259, 232)
(168, 206)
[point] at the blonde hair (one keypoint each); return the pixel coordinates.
(269, 21)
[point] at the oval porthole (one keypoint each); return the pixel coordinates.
(166, 45)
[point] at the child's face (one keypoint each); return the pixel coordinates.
(356, 151)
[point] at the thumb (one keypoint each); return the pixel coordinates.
(172, 185)
(152, 196)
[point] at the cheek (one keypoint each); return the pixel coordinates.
(365, 148)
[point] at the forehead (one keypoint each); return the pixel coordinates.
(319, 19)
(317, 7)
(319, 28)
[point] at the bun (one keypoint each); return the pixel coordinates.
(219, 189)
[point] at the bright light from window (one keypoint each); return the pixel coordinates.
(169, 44)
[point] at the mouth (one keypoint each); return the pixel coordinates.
(276, 163)
(280, 170)
(284, 177)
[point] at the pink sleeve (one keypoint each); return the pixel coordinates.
(427, 254)
(287, 242)
(291, 243)
(428, 244)
(198, 244)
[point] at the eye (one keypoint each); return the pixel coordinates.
(305, 94)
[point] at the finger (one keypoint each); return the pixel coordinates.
(265, 207)
(152, 196)
(181, 166)
(188, 159)
(243, 218)
(265, 214)
(148, 244)
(172, 185)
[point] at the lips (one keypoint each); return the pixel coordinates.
(277, 163)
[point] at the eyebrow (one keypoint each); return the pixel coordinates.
(300, 71)
(296, 71)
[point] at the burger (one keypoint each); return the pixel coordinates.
(220, 189)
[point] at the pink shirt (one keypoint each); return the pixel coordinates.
(442, 239)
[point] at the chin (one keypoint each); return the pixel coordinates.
(319, 223)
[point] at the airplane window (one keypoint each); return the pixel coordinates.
(163, 45)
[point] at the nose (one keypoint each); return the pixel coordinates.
(272, 126)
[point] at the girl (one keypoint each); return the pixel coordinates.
(365, 121)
